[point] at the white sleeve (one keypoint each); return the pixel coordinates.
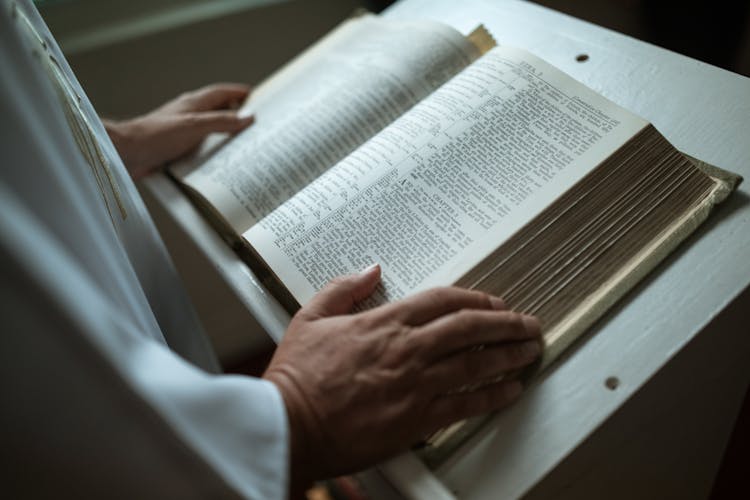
(94, 408)
(94, 403)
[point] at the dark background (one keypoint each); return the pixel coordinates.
(715, 32)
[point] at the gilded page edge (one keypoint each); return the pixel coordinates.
(638, 267)
(442, 445)
(728, 181)
(482, 39)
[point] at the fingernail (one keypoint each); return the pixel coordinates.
(497, 302)
(531, 324)
(369, 269)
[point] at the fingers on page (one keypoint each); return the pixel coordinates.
(467, 328)
(477, 366)
(431, 304)
(342, 293)
(204, 123)
(217, 96)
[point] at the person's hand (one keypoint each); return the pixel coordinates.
(361, 387)
(177, 127)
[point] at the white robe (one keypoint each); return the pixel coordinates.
(94, 401)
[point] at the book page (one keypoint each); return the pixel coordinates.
(316, 113)
(438, 190)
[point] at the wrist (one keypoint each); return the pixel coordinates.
(116, 130)
(120, 133)
(302, 468)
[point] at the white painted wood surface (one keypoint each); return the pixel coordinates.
(705, 112)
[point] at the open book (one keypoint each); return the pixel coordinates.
(449, 161)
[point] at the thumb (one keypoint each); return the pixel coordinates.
(342, 293)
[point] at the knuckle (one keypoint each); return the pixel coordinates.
(444, 291)
(404, 338)
(423, 342)
(513, 322)
(409, 362)
(438, 297)
(337, 282)
(186, 96)
(413, 342)
(193, 119)
(472, 298)
(514, 318)
(468, 320)
(481, 298)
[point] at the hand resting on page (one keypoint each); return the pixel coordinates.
(361, 387)
(174, 129)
